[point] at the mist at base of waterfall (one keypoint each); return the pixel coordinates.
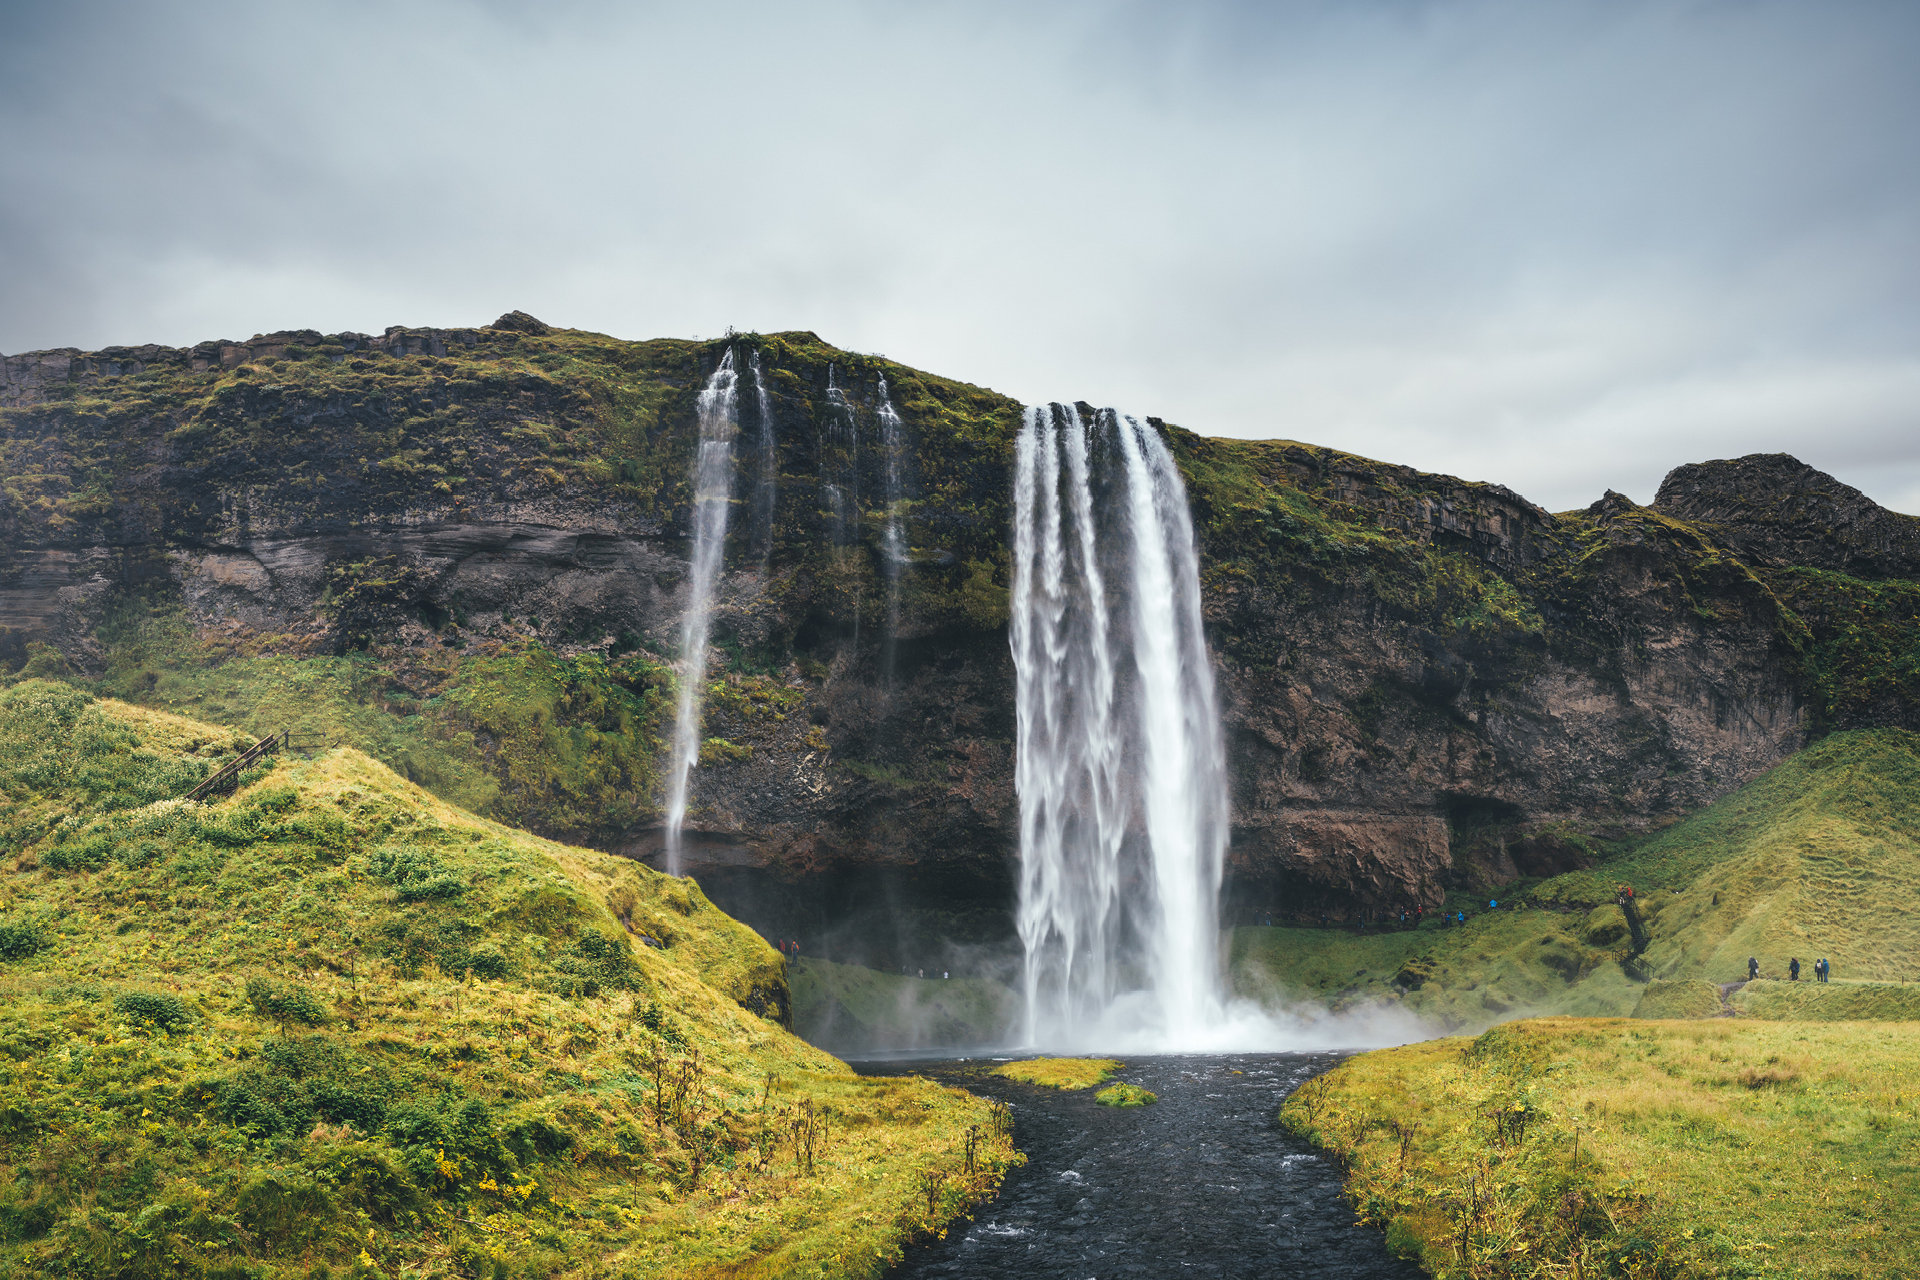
(1131, 1024)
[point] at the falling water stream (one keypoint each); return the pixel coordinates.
(893, 537)
(712, 493)
(1120, 766)
(766, 485)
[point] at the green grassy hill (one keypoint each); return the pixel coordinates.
(333, 1026)
(1818, 857)
(1574, 1147)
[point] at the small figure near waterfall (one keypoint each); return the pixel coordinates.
(1753, 968)
(1793, 969)
(1821, 969)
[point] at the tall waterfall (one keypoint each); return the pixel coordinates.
(712, 493)
(1121, 770)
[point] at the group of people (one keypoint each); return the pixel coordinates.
(1822, 969)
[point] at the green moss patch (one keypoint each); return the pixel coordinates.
(1060, 1073)
(1125, 1095)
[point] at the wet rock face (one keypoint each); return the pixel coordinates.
(1425, 682)
(1388, 759)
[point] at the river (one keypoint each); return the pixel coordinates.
(1204, 1182)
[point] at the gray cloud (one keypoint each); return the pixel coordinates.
(1565, 246)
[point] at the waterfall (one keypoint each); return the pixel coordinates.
(712, 492)
(764, 491)
(893, 543)
(840, 464)
(1120, 770)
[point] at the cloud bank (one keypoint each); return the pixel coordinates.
(1564, 246)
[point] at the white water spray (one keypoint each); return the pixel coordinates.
(712, 493)
(1120, 768)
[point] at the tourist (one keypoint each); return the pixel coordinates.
(1463, 917)
(1793, 969)
(1820, 969)
(1753, 968)
(923, 973)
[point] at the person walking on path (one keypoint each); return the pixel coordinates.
(1793, 969)
(1820, 969)
(1753, 968)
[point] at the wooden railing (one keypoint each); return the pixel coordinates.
(228, 774)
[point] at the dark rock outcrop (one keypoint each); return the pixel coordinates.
(1776, 511)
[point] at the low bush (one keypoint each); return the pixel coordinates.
(154, 1008)
(284, 1004)
(20, 938)
(415, 874)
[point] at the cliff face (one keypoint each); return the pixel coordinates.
(466, 551)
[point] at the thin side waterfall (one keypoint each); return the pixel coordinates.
(765, 487)
(840, 463)
(840, 476)
(1121, 769)
(893, 541)
(712, 494)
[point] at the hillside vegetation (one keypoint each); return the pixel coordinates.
(1818, 857)
(333, 1026)
(1572, 1147)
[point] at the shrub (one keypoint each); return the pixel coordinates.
(417, 874)
(21, 938)
(593, 962)
(155, 1008)
(285, 1004)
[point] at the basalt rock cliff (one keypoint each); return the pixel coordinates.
(465, 550)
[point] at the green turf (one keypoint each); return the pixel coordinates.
(1675, 1150)
(1836, 1001)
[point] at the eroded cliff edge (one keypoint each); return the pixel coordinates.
(465, 550)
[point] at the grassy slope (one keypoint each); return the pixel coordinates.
(333, 1025)
(895, 1011)
(1704, 1149)
(1819, 857)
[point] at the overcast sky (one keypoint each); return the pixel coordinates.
(1564, 246)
